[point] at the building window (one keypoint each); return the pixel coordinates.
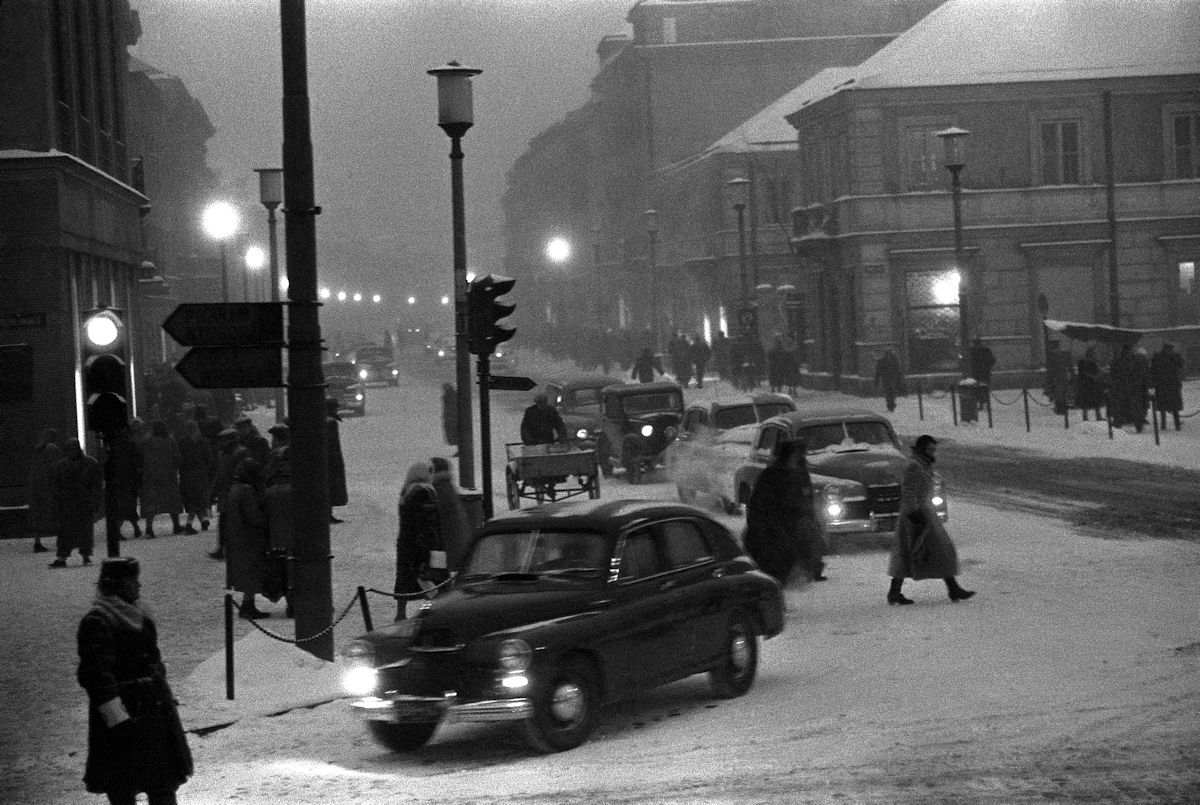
(922, 159)
(1187, 278)
(670, 31)
(1185, 145)
(932, 320)
(1060, 152)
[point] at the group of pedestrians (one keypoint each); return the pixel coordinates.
(434, 531)
(689, 358)
(784, 534)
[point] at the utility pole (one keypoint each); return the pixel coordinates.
(311, 568)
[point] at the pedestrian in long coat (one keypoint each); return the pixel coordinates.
(136, 742)
(338, 494)
(1130, 375)
(43, 503)
(452, 514)
(721, 357)
(160, 478)
(644, 367)
(79, 487)
(246, 538)
(699, 354)
(232, 453)
(1089, 386)
(278, 507)
(922, 548)
(197, 469)
(777, 368)
(889, 378)
(780, 521)
(1166, 374)
(122, 485)
(419, 534)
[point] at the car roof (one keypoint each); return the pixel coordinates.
(629, 388)
(761, 398)
(610, 516)
(585, 381)
(825, 415)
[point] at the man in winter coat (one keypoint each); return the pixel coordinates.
(419, 537)
(922, 548)
(136, 742)
(1166, 373)
(338, 495)
(79, 487)
(43, 502)
(1089, 386)
(982, 360)
(452, 514)
(720, 350)
(541, 423)
(781, 528)
(888, 377)
(644, 367)
(699, 355)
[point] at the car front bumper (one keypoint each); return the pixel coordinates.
(403, 708)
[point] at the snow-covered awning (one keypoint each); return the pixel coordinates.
(1108, 334)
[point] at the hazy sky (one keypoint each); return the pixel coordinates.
(382, 166)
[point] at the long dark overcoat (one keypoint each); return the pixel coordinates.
(160, 476)
(197, 469)
(79, 485)
(1089, 387)
(119, 658)
(1166, 374)
(776, 515)
(43, 502)
(246, 538)
(338, 494)
(922, 548)
(420, 532)
(122, 476)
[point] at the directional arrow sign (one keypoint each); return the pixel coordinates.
(507, 383)
(226, 324)
(232, 367)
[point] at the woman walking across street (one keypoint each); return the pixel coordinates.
(136, 742)
(43, 504)
(419, 540)
(160, 478)
(780, 525)
(922, 548)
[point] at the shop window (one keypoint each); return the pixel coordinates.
(1187, 278)
(933, 321)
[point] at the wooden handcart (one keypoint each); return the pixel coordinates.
(549, 472)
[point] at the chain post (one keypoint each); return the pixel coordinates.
(1025, 400)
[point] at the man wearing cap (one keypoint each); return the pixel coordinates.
(136, 742)
(248, 436)
(79, 484)
(922, 549)
(541, 423)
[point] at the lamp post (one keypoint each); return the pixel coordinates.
(221, 221)
(953, 140)
(596, 246)
(738, 189)
(270, 193)
(651, 218)
(455, 117)
(255, 259)
(558, 251)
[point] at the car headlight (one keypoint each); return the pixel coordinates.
(582, 433)
(362, 374)
(514, 655)
(647, 431)
(358, 668)
(441, 353)
(939, 497)
(395, 373)
(833, 507)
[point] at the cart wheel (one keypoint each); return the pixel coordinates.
(514, 493)
(593, 486)
(604, 458)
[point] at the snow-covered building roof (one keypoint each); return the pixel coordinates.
(1009, 41)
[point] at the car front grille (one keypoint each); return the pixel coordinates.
(883, 499)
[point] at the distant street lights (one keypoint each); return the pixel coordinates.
(953, 140)
(651, 219)
(558, 251)
(255, 259)
(455, 117)
(221, 222)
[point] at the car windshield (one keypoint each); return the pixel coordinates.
(652, 403)
(733, 415)
(339, 369)
(373, 354)
(535, 554)
(845, 435)
(573, 398)
(768, 410)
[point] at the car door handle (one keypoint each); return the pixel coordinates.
(666, 585)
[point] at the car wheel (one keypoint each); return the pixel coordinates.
(631, 460)
(513, 488)
(565, 708)
(400, 737)
(734, 674)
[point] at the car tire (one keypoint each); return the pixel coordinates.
(566, 707)
(734, 674)
(400, 737)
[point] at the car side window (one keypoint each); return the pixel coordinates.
(767, 438)
(685, 543)
(691, 422)
(639, 559)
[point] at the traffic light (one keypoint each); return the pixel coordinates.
(105, 369)
(484, 312)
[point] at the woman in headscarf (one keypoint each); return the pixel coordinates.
(777, 510)
(419, 534)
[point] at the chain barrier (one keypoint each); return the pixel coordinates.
(1015, 400)
(1189, 416)
(296, 642)
(1038, 402)
(933, 395)
(422, 594)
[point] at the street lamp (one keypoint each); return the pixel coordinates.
(739, 190)
(558, 251)
(255, 259)
(455, 117)
(651, 218)
(953, 140)
(221, 221)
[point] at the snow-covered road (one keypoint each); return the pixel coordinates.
(1071, 676)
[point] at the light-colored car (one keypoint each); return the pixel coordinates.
(855, 460)
(713, 441)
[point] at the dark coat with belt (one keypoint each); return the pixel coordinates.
(420, 533)
(246, 539)
(197, 469)
(119, 658)
(922, 549)
(776, 516)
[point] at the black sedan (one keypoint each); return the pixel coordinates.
(561, 609)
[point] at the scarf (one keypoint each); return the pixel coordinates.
(120, 612)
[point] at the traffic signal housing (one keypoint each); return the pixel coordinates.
(105, 369)
(484, 311)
